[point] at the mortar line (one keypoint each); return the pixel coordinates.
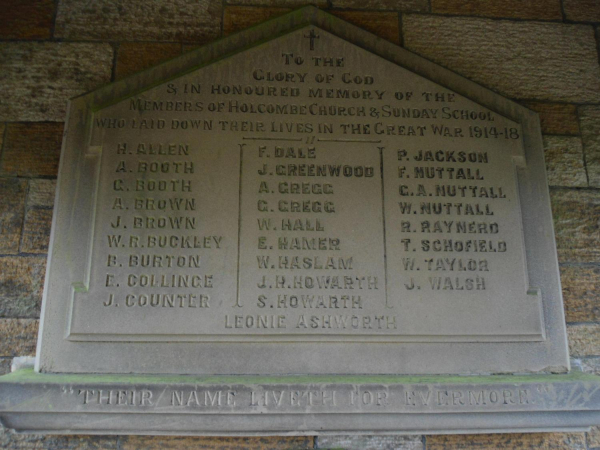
(597, 38)
(496, 19)
(400, 29)
(113, 72)
(583, 148)
(223, 6)
(54, 16)
(4, 134)
(562, 10)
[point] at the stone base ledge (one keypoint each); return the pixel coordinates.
(296, 405)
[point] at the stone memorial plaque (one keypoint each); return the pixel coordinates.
(301, 199)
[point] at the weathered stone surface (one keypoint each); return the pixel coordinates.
(18, 337)
(237, 18)
(360, 442)
(11, 440)
(27, 19)
(133, 57)
(564, 161)
(396, 5)
(21, 285)
(32, 149)
(548, 61)
(138, 20)
(39, 77)
(41, 193)
(241, 443)
(514, 9)
(12, 209)
(36, 231)
(507, 441)
(580, 285)
(582, 10)
(576, 224)
(584, 340)
(556, 118)
(383, 24)
(589, 117)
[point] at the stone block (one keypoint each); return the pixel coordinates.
(512, 9)
(36, 231)
(18, 337)
(564, 161)
(507, 441)
(41, 193)
(27, 19)
(582, 10)
(589, 121)
(133, 56)
(32, 149)
(362, 442)
(556, 118)
(237, 18)
(12, 440)
(593, 438)
(5, 366)
(138, 20)
(576, 224)
(12, 209)
(21, 286)
(528, 60)
(589, 365)
(584, 340)
(231, 443)
(580, 285)
(383, 24)
(38, 78)
(383, 5)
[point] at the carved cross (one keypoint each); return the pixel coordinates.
(312, 36)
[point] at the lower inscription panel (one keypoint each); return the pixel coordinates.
(289, 405)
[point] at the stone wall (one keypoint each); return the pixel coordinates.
(542, 53)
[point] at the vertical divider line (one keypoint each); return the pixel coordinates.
(239, 250)
(385, 268)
